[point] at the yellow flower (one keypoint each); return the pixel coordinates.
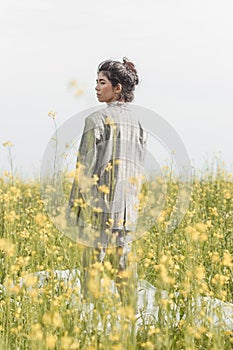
(52, 114)
(201, 227)
(47, 318)
(227, 259)
(106, 281)
(57, 320)
(214, 211)
(127, 311)
(7, 144)
(227, 195)
(125, 274)
(51, 341)
(79, 202)
(116, 161)
(7, 246)
(40, 219)
(104, 189)
(66, 342)
(11, 216)
(109, 121)
(219, 279)
(108, 167)
(133, 180)
(192, 233)
(154, 330)
(70, 174)
(120, 222)
(97, 209)
(52, 319)
(36, 332)
(84, 181)
(164, 274)
(7, 173)
(95, 179)
(30, 280)
(75, 345)
(110, 222)
(93, 287)
(73, 83)
(108, 265)
(198, 232)
(214, 256)
(200, 272)
(162, 217)
(79, 92)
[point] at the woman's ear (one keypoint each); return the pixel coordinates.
(118, 88)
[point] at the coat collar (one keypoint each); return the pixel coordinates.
(115, 103)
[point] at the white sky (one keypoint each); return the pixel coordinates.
(183, 51)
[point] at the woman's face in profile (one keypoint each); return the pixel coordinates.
(104, 89)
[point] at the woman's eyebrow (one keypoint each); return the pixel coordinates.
(100, 80)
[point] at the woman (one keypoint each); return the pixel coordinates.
(110, 160)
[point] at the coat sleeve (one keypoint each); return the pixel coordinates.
(87, 156)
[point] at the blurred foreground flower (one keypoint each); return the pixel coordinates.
(78, 90)
(7, 144)
(110, 121)
(52, 114)
(7, 246)
(73, 83)
(104, 189)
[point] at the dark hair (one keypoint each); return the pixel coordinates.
(123, 73)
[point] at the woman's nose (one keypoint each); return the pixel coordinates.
(97, 87)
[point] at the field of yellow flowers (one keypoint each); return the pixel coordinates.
(192, 262)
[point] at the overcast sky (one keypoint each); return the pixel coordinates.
(183, 51)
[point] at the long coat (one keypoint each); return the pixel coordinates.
(109, 170)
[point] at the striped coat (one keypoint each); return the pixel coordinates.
(109, 169)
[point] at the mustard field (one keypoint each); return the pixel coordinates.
(189, 269)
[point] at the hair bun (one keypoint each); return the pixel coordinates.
(131, 67)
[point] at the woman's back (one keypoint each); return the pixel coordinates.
(119, 165)
(113, 148)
